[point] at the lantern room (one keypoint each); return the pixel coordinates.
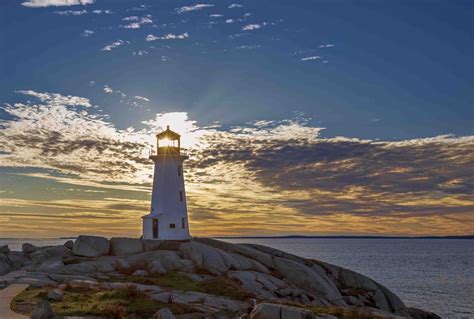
(168, 142)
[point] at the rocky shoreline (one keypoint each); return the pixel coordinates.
(200, 278)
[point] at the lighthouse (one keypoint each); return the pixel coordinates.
(168, 217)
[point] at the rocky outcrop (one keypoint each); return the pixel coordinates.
(367, 291)
(91, 246)
(421, 314)
(28, 248)
(269, 276)
(43, 310)
(125, 246)
(164, 313)
(274, 311)
(4, 249)
(216, 260)
(55, 295)
(5, 265)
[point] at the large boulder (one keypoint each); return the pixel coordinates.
(125, 246)
(272, 311)
(5, 266)
(150, 245)
(42, 254)
(216, 260)
(91, 246)
(371, 292)
(55, 295)
(304, 277)
(69, 244)
(241, 249)
(18, 259)
(204, 299)
(43, 310)
(4, 249)
(28, 248)
(259, 284)
(164, 313)
(88, 267)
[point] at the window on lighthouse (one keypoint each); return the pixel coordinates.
(180, 168)
(181, 196)
(183, 223)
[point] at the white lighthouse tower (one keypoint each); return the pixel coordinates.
(168, 218)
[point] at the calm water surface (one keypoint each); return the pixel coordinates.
(432, 274)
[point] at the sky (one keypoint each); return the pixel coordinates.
(300, 117)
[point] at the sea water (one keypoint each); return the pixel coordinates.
(431, 274)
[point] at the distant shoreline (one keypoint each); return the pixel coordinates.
(346, 237)
(278, 237)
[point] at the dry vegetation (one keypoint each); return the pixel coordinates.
(118, 303)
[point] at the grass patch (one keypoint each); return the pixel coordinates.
(339, 312)
(118, 303)
(223, 286)
(220, 286)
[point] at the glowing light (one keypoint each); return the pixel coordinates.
(167, 142)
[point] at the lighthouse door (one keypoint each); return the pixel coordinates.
(155, 228)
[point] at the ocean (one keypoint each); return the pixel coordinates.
(432, 274)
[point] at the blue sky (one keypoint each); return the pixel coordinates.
(365, 81)
(395, 69)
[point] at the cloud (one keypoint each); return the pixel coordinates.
(114, 45)
(235, 5)
(309, 58)
(55, 3)
(81, 12)
(61, 133)
(216, 15)
(137, 22)
(193, 8)
(169, 36)
(248, 179)
(142, 98)
(108, 89)
(326, 46)
(71, 12)
(249, 47)
(249, 27)
(229, 20)
(87, 33)
(102, 12)
(57, 99)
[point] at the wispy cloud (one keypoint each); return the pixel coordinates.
(114, 45)
(169, 36)
(310, 58)
(249, 27)
(136, 22)
(81, 12)
(142, 98)
(235, 5)
(71, 12)
(87, 33)
(265, 172)
(109, 90)
(55, 3)
(199, 6)
(102, 11)
(326, 46)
